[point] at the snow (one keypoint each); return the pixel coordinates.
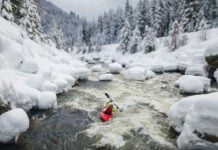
(106, 77)
(195, 113)
(212, 50)
(12, 124)
(158, 69)
(47, 100)
(192, 54)
(48, 86)
(29, 66)
(97, 68)
(196, 71)
(193, 84)
(31, 74)
(115, 67)
(216, 75)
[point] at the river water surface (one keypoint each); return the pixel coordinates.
(75, 124)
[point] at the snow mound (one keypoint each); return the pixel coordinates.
(138, 74)
(182, 66)
(61, 85)
(3, 63)
(149, 74)
(135, 73)
(170, 68)
(48, 86)
(196, 71)
(12, 124)
(115, 67)
(97, 68)
(28, 66)
(194, 116)
(106, 77)
(158, 69)
(193, 84)
(47, 100)
(81, 73)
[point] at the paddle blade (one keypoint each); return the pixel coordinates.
(107, 95)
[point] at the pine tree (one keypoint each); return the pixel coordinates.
(126, 34)
(149, 40)
(176, 37)
(159, 18)
(190, 17)
(135, 40)
(203, 27)
(6, 10)
(142, 19)
(126, 31)
(30, 20)
(56, 35)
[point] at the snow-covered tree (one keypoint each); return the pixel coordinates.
(135, 40)
(203, 29)
(159, 18)
(190, 17)
(176, 37)
(30, 20)
(142, 17)
(6, 10)
(126, 31)
(125, 38)
(56, 35)
(149, 40)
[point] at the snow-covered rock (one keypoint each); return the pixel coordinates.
(48, 86)
(182, 66)
(115, 67)
(12, 124)
(81, 73)
(196, 71)
(97, 68)
(196, 114)
(47, 100)
(149, 74)
(61, 84)
(28, 66)
(211, 55)
(170, 68)
(12, 51)
(158, 69)
(106, 77)
(138, 74)
(193, 84)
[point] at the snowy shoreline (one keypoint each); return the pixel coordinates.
(31, 75)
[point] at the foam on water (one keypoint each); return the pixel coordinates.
(143, 102)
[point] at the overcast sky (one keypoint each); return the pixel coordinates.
(90, 8)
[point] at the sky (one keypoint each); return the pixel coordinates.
(90, 8)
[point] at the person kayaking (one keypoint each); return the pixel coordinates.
(109, 108)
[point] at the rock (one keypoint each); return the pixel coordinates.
(106, 77)
(158, 69)
(211, 55)
(12, 124)
(115, 68)
(97, 68)
(196, 71)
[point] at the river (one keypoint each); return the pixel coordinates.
(75, 124)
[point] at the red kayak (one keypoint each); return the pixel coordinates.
(105, 117)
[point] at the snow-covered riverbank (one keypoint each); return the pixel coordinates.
(31, 74)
